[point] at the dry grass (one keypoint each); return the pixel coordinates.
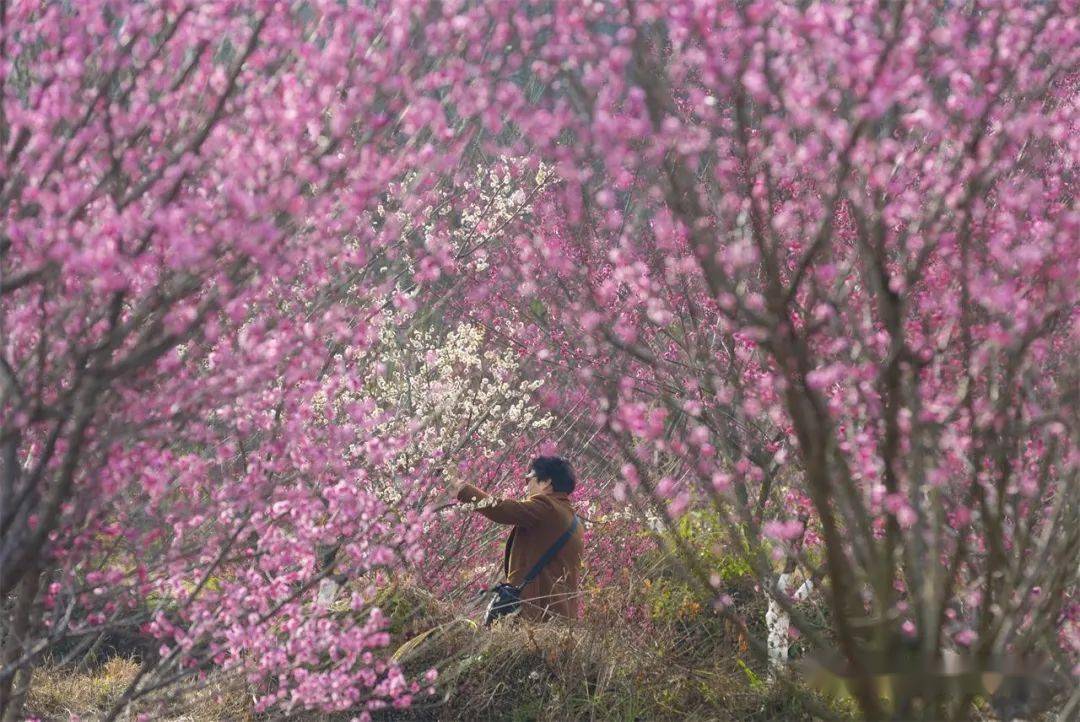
(62, 693)
(57, 693)
(602, 669)
(605, 669)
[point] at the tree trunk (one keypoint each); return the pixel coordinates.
(14, 687)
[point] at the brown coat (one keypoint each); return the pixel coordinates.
(538, 522)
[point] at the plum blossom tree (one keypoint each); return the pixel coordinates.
(200, 214)
(824, 254)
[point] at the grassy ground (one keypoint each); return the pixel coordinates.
(601, 669)
(59, 693)
(91, 693)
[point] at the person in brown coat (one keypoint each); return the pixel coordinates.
(538, 521)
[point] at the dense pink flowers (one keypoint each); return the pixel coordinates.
(824, 267)
(812, 264)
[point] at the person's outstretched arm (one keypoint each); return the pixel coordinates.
(503, 511)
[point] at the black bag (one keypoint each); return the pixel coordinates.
(505, 601)
(505, 598)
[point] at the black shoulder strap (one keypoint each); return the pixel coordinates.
(549, 554)
(506, 552)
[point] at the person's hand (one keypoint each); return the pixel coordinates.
(454, 488)
(448, 497)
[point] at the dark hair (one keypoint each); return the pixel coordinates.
(555, 470)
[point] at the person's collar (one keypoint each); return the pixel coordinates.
(557, 494)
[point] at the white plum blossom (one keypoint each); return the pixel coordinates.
(445, 393)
